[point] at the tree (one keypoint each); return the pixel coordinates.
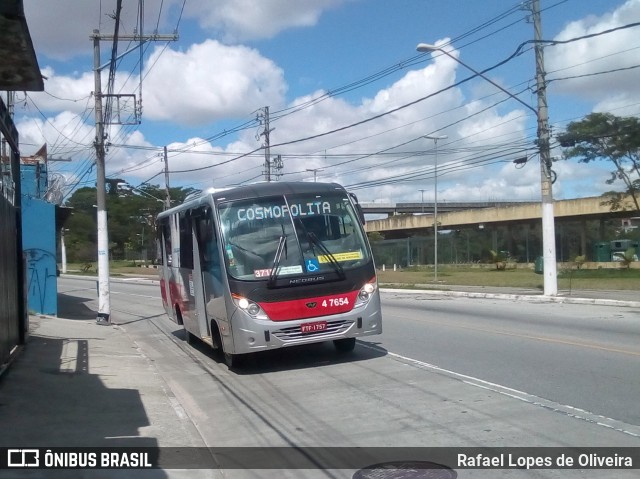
(627, 257)
(131, 219)
(499, 259)
(603, 136)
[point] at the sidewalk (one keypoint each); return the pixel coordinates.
(78, 384)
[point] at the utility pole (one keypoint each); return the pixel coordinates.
(264, 116)
(166, 180)
(63, 250)
(548, 222)
(104, 306)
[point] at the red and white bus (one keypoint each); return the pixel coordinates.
(267, 266)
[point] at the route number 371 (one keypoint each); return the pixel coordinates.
(335, 302)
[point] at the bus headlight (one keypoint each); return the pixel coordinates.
(252, 308)
(364, 295)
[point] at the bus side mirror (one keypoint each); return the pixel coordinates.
(360, 213)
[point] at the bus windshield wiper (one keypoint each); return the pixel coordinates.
(332, 259)
(282, 246)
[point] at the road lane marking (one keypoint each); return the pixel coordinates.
(138, 295)
(566, 409)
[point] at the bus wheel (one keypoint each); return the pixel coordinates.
(345, 345)
(191, 338)
(234, 361)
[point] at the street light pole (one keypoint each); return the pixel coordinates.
(421, 190)
(315, 171)
(548, 226)
(435, 207)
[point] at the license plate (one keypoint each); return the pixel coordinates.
(313, 327)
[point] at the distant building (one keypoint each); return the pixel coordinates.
(629, 224)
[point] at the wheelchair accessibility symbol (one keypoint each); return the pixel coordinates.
(313, 265)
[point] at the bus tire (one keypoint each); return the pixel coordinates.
(234, 361)
(345, 345)
(190, 338)
(215, 336)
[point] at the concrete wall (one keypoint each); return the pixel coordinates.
(39, 241)
(39, 246)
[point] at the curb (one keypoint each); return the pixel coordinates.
(519, 297)
(532, 298)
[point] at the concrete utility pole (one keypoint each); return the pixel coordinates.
(63, 250)
(101, 194)
(548, 221)
(264, 114)
(542, 115)
(104, 306)
(166, 180)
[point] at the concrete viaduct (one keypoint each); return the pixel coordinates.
(505, 214)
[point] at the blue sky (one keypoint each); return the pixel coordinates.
(234, 57)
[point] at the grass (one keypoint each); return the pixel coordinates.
(568, 278)
(603, 279)
(116, 268)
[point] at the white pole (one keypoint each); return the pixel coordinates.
(104, 305)
(435, 207)
(63, 252)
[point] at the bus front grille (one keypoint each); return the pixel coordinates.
(294, 332)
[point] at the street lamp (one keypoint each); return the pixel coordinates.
(435, 206)
(315, 171)
(548, 227)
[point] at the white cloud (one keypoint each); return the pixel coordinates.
(602, 53)
(241, 20)
(210, 82)
(65, 92)
(231, 20)
(65, 132)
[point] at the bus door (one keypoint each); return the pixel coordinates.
(211, 266)
(163, 249)
(198, 323)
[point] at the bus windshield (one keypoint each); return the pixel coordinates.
(288, 235)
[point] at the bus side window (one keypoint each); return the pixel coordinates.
(163, 239)
(186, 242)
(210, 256)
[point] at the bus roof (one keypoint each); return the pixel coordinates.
(276, 188)
(258, 190)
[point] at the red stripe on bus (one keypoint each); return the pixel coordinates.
(310, 307)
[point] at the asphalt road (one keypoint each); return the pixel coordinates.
(446, 372)
(584, 356)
